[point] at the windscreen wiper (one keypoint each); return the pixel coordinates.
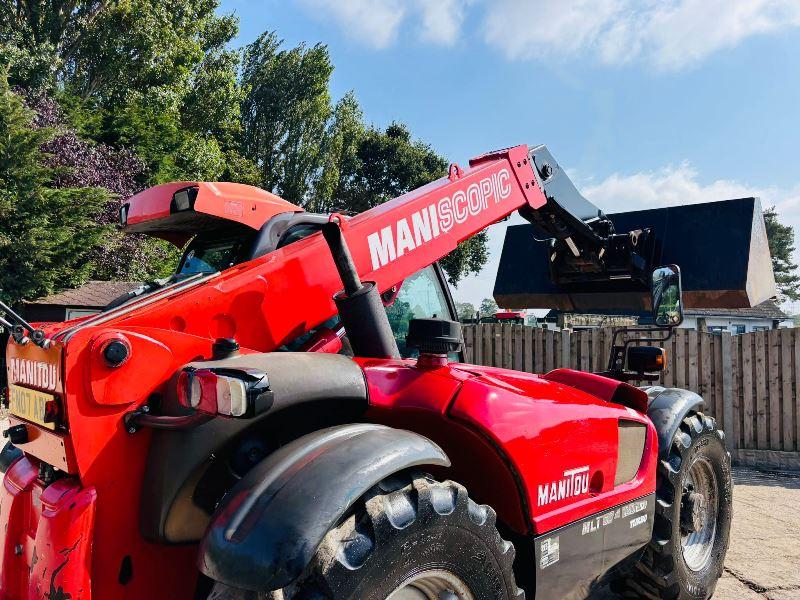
(21, 330)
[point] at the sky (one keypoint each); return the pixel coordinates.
(645, 103)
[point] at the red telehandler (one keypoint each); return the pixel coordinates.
(288, 416)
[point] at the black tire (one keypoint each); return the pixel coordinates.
(662, 573)
(402, 528)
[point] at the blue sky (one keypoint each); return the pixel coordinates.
(646, 103)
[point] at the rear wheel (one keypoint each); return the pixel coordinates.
(693, 518)
(409, 539)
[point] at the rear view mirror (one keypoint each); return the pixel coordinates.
(666, 296)
(646, 359)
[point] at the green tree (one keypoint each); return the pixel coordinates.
(155, 76)
(781, 247)
(46, 234)
(339, 154)
(399, 314)
(465, 310)
(390, 163)
(38, 39)
(285, 113)
(488, 307)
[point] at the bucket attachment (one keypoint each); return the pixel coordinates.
(720, 247)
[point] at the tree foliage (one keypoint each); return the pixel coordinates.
(488, 307)
(46, 232)
(140, 92)
(465, 310)
(340, 155)
(77, 162)
(781, 248)
(285, 113)
(388, 163)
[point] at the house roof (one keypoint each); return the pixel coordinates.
(92, 294)
(766, 310)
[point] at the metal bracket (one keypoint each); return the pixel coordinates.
(141, 417)
(616, 360)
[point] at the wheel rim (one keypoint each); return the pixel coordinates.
(699, 505)
(435, 584)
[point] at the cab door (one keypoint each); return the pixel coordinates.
(423, 295)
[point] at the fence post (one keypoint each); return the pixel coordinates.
(727, 391)
(467, 338)
(786, 395)
(565, 349)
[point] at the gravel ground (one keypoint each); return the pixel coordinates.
(763, 559)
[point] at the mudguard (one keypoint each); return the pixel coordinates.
(269, 525)
(297, 379)
(668, 407)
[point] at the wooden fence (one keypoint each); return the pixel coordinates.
(749, 382)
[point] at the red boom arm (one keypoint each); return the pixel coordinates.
(293, 286)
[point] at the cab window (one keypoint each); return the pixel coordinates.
(210, 259)
(210, 252)
(421, 296)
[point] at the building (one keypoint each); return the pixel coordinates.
(761, 317)
(89, 299)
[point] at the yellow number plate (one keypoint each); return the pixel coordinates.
(29, 404)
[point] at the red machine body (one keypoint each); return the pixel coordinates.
(543, 451)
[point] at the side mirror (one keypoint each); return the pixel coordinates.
(646, 359)
(666, 296)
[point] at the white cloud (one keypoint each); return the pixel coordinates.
(672, 186)
(373, 22)
(671, 34)
(669, 186)
(441, 20)
(377, 23)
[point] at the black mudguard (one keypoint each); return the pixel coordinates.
(176, 458)
(270, 524)
(667, 408)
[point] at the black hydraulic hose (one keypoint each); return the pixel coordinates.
(342, 258)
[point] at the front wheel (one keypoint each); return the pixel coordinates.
(693, 519)
(408, 539)
(417, 540)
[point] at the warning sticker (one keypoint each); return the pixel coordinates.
(549, 552)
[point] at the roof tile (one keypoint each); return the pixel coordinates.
(93, 294)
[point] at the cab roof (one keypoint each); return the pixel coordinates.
(177, 211)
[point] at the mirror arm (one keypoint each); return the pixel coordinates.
(618, 352)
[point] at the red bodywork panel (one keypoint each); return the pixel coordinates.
(47, 548)
(501, 427)
(149, 211)
(505, 432)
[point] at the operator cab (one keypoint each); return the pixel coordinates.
(220, 225)
(224, 224)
